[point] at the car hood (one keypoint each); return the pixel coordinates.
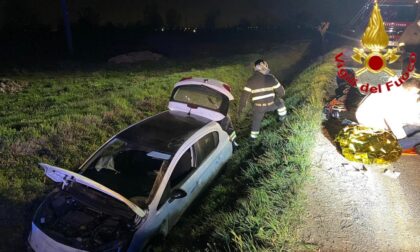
(61, 175)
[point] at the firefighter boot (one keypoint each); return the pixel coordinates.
(254, 136)
(282, 113)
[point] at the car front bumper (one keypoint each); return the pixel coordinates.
(39, 241)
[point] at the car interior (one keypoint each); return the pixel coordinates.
(130, 172)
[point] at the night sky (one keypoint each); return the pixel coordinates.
(188, 12)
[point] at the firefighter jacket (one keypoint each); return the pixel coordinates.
(263, 89)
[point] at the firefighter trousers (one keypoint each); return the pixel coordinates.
(258, 113)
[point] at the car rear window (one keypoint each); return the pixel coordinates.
(201, 96)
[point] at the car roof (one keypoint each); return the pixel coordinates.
(165, 132)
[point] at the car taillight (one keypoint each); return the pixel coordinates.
(186, 78)
(227, 87)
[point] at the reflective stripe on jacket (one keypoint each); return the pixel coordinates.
(261, 89)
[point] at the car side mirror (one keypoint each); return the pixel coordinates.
(177, 194)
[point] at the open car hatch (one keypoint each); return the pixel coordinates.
(202, 97)
(60, 175)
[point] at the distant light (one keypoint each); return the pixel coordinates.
(163, 29)
(195, 30)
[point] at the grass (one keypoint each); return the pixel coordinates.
(62, 117)
(254, 205)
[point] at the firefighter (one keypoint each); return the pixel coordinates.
(322, 29)
(266, 93)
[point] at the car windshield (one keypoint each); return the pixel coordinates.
(125, 169)
(201, 96)
(402, 13)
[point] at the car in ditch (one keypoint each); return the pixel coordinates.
(135, 187)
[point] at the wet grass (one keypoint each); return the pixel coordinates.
(254, 205)
(61, 117)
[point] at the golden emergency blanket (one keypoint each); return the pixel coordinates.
(365, 145)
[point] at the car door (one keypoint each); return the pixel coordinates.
(188, 175)
(170, 208)
(206, 158)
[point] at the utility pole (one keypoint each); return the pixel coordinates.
(67, 26)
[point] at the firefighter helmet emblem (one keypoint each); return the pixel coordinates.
(374, 55)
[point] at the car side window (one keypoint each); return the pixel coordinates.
(181, 171)
(182, 168)
(205, 146)
(190, 160)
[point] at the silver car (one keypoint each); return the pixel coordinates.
(138, 184)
